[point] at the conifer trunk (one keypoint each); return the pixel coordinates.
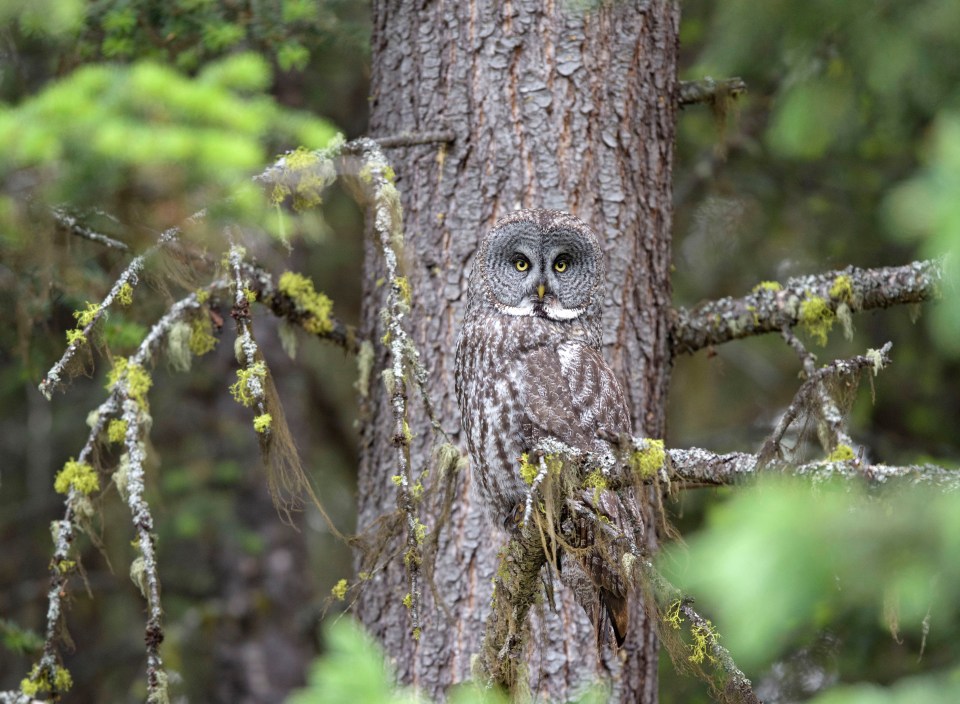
(552, 106)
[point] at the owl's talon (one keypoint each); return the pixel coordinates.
(515, 518)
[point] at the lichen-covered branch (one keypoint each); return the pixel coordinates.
(516, 586)
(121, 291)
(814, 302)
(388, 227)
(675, 609)
(126, 405)
(709, 90)
(695, 467)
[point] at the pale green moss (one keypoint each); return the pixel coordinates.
(76, 337)
(262, 422)
(313, 305)
(117, 430)
(201, 339)
(841, 453)
(137, 379)
(842, 289)
(87, 315)
(772, 286)
(125, 294)
(817, 318)
(596, 481)
(528, 471)
(648, 461)
(40, 681)
(339, 590)
(76, 475)
(403, 287)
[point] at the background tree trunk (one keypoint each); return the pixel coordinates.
(552, 107)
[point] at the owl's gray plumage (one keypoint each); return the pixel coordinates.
(528, 362)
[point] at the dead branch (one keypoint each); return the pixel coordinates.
(771, 307)
(709, 90)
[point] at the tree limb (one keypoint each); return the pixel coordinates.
(709, 90)
(770, 308)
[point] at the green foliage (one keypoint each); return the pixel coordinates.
(19, 640)
(927, 208)
(189, 33)
(153, 134)
(352, 670)
(782, 560)
(941, 689)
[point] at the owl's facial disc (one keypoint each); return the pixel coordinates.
(544, 272)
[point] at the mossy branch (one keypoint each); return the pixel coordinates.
(828, 297)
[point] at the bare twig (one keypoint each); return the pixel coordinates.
(774, 307)
(410, 139)
(709, 90)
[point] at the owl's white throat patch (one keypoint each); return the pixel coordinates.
(547, 309)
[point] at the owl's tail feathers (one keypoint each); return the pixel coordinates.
(616, 610)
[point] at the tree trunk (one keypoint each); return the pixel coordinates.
(552, 107)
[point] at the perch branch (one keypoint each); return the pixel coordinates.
(411, 139)
(771, 309)
(709, 90)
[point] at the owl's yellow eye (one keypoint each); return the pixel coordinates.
(560, 266)
(522, 264)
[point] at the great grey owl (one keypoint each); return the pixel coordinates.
(528, 368)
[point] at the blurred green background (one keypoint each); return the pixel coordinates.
(845, 150)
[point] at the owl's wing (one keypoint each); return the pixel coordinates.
(573, 396)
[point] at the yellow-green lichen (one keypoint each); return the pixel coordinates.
(313, 305)
(125, 294)
(135, 377)
(419, 531)
(39, 681)
(250, 295)
(841, 453)
(416, 633)
(597, 481)
(647, 462)
(240, 389)
(772, 286)
(65, 566)
(301, 159)
(403, 288)
(76, 475)
(117, 430)
(842, 289)
(201, 336)
(408, 600)
(87, 315)
(817, 318)
(339, 590)
(262, 422)
(202, 295)
(528, 471)
(76, 337)
(704, 638)
(672, 616)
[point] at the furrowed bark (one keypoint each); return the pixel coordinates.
(551, 107)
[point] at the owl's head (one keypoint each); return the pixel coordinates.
(544, 263)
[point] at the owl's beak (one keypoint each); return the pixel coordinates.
(541, 289)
